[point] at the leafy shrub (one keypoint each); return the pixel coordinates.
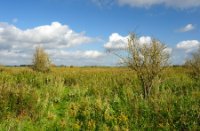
(41, 61)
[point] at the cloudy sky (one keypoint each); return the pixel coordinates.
(78, 32)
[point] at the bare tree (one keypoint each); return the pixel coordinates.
(41, 61)
(194, 64)
(148, 60)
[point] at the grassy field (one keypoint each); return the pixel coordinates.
(96, 99)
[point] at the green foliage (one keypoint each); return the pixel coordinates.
(96, 99)
(41, 61)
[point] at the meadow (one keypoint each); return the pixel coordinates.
(96, 98)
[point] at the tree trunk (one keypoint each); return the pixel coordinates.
(146, 89)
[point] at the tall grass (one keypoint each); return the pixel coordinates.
(96, 99)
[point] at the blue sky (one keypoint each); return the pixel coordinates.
(85, 27)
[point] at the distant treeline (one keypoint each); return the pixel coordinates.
(73, 66)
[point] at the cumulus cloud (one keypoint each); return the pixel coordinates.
(145, 40)
(148, 3)
(117, 41)
(51, 36)
(188, 27)
(17, 45)
(188, 45)
(183, 50)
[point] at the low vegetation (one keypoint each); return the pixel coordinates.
(96, 99)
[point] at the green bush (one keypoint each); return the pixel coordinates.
(41, 61)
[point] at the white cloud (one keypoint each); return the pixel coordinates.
(17, 45)
(51, 36)
(77, 57)
(168, 50)
(88, 54)
(188, 45)
(7, 53)
(182, 4)
(145, 40)
(117, 41)
(92, 54)
(188, 27)
(183, 50)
